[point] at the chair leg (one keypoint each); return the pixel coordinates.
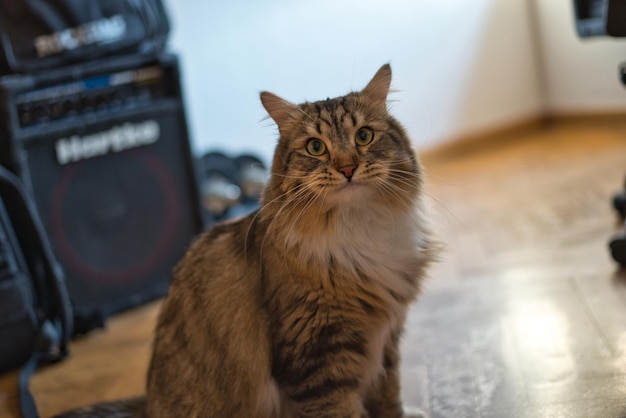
(617, 245)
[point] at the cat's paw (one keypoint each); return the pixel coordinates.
(412, 412)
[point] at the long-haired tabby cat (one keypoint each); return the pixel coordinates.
(296, 309)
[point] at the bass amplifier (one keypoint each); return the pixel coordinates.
(104, 150)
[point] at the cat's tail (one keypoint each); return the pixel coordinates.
(128, 408)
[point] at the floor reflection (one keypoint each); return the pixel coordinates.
(526, 315)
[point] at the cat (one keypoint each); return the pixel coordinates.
(296, 310)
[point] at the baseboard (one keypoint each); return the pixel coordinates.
(578, 117)
(517, 130)
(487, 138)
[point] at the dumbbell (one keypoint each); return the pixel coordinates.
(218, 185)
(251, 176)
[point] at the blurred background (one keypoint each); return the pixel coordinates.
(461, 68)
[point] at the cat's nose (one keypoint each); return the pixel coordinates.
(348, 170)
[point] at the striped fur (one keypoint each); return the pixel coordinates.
(296, 310)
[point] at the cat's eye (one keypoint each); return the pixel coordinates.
(315, 147)
(364, 136)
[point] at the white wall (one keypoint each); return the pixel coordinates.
(460, 66)
(580, 74)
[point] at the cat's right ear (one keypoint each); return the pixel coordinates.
(280, 110)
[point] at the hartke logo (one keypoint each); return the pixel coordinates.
(119, 138)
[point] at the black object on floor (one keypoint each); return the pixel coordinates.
(617, 245)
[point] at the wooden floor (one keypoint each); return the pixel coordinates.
(524, 317)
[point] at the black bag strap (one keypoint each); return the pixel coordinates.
(49, 336)
(27, 403)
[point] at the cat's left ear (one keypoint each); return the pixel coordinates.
(377, 89)
(280, 110)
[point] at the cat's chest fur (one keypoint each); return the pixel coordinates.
(367, 244)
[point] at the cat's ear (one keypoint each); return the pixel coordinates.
(377, 89)
(280, 110)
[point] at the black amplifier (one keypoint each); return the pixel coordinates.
(103, 148)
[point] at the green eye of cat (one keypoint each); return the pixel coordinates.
(315, 147)
(364, 136)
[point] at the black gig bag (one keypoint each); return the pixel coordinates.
(39, 35)
(35, 308)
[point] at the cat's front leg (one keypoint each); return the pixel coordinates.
(382, 403)
(383, 399)
(348, 405)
